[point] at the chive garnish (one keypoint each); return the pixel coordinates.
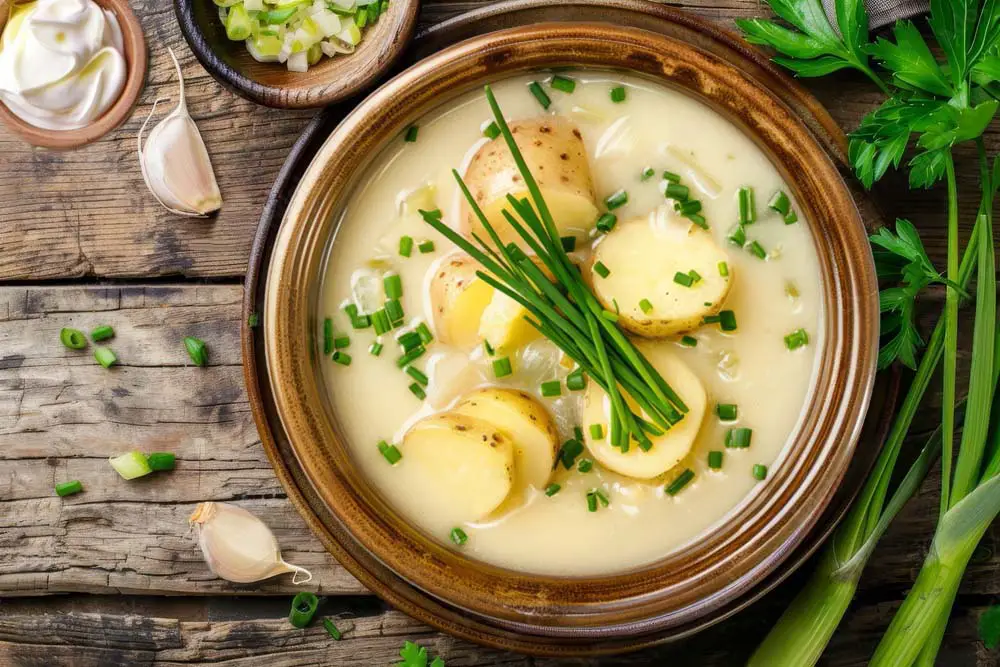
(757, 250)
(672, 177)
(606, 222)
(689, 341)
(563, 84)
(591, 502)
(601, 270)
(411, 134)
(695, 276)
(791, 218)
(759, 472)
(738, 438)
(103, 332)
(340, 342)
(342, 358)
(715, 459)
(576, 381)
(491, 131)
(381, 322)
(433, 213)
(727, 412)
(680, 482)
(645, 306)
(683, 279)
(394, 311)
(568, 243)
(578, 433)
(616, 200)
(727, 320)
(73, 338)
(327, 336)
(551, 388)
(676, 191)
(195, 349)
(539, 93)
(599, 494)
(405, 245)
(796, 339)
(393, 286)
(162, 460)
(747, 206)
(304, 606)
(568, 452)
(458, 536)
(552, 489)
(647, 174)
(331, 629)
(409, 340)
(69, 488)
(585, 465)
(418, 391)
(596, 431)
(417, 375)
(697, 219)
(723, 269)
(618, 94)
(687, 208)
(489, 348)
(375, 349)
(424, 332)
(390, 452)
(410, 356)
(501, 367)
(737, 235)
(780, 203)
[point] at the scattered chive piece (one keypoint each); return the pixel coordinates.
(672, 177)
(683, 279)
(539, 93)
(492, 131)
(418, 391)
(689, 341)
(105, 357)
(568, 243)
(647, 174)
(340, 342)
(552, 489)
(162, 460)
(645, 306)
(711, 319)
(597, 432)
(489, 348)
(616, 200)
(568, 453)
(779, 202)
(591, 502)
(131, 464)
(253, 320)
(578, 433)
(327, 336)
(394, 310)
(796, 339)
(331, 629)
(390, 452)
(738, 438)
(393, 286)
(609, 316)
(688, 208)
(680, 482)
(381, 322)
(73, 339)
(697, 219)
(424, 332)
(747, 206)
(737, 235)
(304, 607)
(411, 134)
(727, 412)
(551, 388)
(723, 269)
(600, 496)
(715, 459)
(759, 472)
(606, 222)
(562, 83)
(425, 247)
(417, 375)
(102, 332)
(791, 218)
(695, 276)
(405, 245)
(757, 250)
(618, 94)
(576, 381)
(458, 536)
(409, 340)
(342, 358)
(727, 320)
(601, 270)
(585, 465)
(676, 191)
(501, 367)
(411, 356)
(69, 488)
(375, 349)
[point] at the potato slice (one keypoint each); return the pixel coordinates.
(668, 449)
(463, 464)
(554, 152)
(528, 426)
(503, 324)
(458, 299)
(643, 256)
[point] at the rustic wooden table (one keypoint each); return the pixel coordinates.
(110, 576)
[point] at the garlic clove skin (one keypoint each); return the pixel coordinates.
(238, 546)
(175, 163)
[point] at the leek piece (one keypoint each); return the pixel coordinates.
(131, 465)
(238, 23)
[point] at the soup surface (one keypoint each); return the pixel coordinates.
(572, 530)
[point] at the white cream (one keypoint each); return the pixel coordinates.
(61, 63)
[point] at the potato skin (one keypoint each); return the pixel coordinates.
(458, 299)
(556, 157)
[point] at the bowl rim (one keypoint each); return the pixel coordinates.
(624, 603)
(136, 62)
(401, 17)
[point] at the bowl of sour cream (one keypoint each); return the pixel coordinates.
(70, 70)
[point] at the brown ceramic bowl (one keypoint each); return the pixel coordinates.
(271, 84)
(135, 61)
(723, 564)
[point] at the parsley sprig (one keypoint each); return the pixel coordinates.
(415, 655)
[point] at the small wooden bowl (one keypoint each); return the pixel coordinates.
(271, 84)
(120, 111)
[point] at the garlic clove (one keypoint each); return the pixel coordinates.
(175, 163)
(238, 546)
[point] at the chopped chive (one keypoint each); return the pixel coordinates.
(757, 250)
(492, 131)
(695, 276)
(425, 247)
(563, 83)
(418, 391)
(683, 279)
(105, 357)
(417, 375)
(597, 432)
(747, 206)
(647, 174)
(361, 20)
(568, 243)
(676, 191)
(723, 269)
(405, 245)
(780, 203)
(585, 465)
(342, 358)
(687, 208)
(618, 94)
(103, 332)
(601, 270)
(591, 502)
(568, 452)
(489, 348)
(680, 482)
(552, 489)
(458, 536)
(616, 200)
(645, 306)
(606, 222)
(340, 342)
(73, 338)
(539, 93)
(424, 332)
(796, 339)
(689, 341)
(162, 460)
(381, 322)
(69, 488)
(727, 320)
(409, 340)
(578, 433)
(393, 286)
(727, 412)
(375, 349)
(411, 134)
(501, 367)
(791, 218)
(609, 316)
(576, 381)
(601, 497)
(697, 219)
(711, 319)
(394, 310)
(331, 629)
(759, 472)
(738, 438)
(737, 235)
(411, 356)
(327, 336)
(672, 177)
(390, 452)
(253, 320)
(715, 459)
(551, 388)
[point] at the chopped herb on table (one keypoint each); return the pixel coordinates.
(414, 655)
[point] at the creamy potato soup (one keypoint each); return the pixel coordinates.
(481, 431)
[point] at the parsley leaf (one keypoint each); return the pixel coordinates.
(883, 135)
(965, 32)
(989, 627)
(414, 655)
(910, 60)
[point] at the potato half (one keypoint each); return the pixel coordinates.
(643, 257)
(458, 299)
(554, 152)
(668, 449)
(465, 464)
(529, 427)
